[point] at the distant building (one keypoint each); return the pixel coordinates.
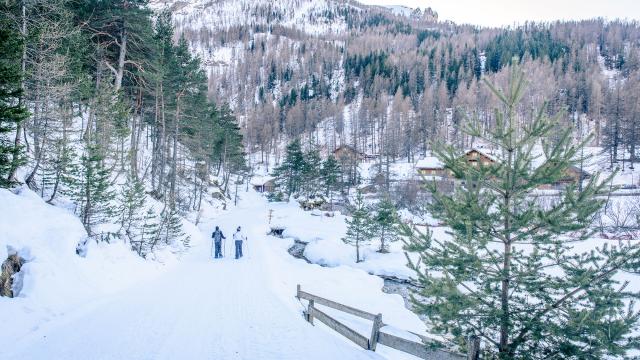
(573, 175)
(263, 184)
(431, 166)
(348, 152)
(477, 156)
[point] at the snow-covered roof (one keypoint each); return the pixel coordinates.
(430, 162)
(261, 180)
(483, 151)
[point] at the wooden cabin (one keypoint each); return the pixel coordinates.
(573, 176)
(431, 166)
(479, 156)
(347, 153)
(263, 184)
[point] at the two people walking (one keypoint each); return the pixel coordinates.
(238, 238)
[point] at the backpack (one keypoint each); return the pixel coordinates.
(217, 235)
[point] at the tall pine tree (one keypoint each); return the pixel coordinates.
(516, 272)
(12, 110)
(92, 190)
(289, 175)
(330, 174)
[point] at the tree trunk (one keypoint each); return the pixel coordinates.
(174, 171)
(121, 60)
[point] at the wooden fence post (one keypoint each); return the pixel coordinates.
(375, 332)
(310, 312)
(473, 347)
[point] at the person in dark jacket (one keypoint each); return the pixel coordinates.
(218, 236)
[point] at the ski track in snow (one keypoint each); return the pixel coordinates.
(201, 309)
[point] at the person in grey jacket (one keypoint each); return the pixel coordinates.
(238, 238)
(218, 236)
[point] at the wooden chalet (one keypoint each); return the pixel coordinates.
(263, 184)
(431, 166)
(348, 153)
(479, 156)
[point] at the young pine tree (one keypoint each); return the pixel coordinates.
(170, 229)
(149, 234)
(131, 209)
(311, 172)
(92, 192)
(517, 273)
(385, 223)
(359, 227)
(330, 175)
(289, 175)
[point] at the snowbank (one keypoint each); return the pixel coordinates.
(325, 246)
(55, 279)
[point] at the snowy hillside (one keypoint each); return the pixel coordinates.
(306, 15)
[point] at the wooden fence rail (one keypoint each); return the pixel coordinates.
(340, 328)
(419, 349)
(332, 304)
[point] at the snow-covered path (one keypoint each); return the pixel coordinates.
(201, 309)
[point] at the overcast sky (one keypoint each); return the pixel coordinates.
(508, 12)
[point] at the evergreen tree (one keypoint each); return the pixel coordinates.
(64, 166)
(12, 110)
(312, 171)
(131, 209)
(512, 272)
(93, 193)
(330, 174)
(289, 175)
(122, 33)
(170, 229)
(384, 223)
(359, 227)
(149, 234)
(228, 145)
(185, 82)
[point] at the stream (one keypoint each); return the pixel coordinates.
(392, 284)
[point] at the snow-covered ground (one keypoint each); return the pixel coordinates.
(113, 305)
(56, 281)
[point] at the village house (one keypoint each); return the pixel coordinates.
(477, 156)
(573, 175)
(431, 166)
(263, 184)
(347, 153)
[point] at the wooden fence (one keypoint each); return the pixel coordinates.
(419, 349)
